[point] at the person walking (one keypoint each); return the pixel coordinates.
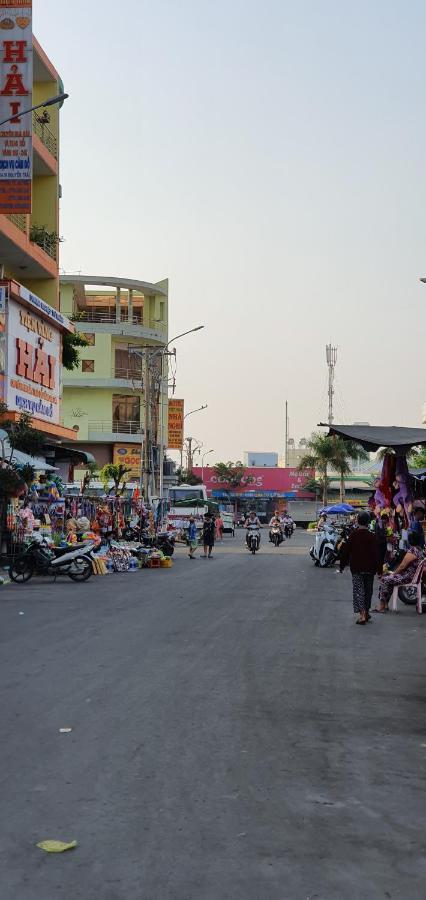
(208, 535)
(192, 538)
(361, 553)
(219, 527)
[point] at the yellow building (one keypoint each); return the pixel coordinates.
(125, 322)
(29, 243)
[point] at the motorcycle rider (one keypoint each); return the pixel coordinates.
(276, 522)
(252, 521)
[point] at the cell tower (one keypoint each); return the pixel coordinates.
(331, 354)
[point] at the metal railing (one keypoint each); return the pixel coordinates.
(116, 427)
(48, 244)
(109, 318)
(128, 373)
(20, 221)
(45, 134)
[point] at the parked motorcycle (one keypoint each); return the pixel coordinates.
(253, 538)
(276, 535)
(39, 559)
(325, 551)
(164, 542)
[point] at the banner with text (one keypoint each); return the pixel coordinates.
(176, 416)
(16, 96)
(128, 455)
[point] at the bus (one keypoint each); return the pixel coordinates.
(186, 500)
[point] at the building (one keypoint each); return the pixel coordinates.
(29, 244)
(123, 321)
(255, 458)
(295, 453)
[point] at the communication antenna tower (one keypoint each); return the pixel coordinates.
(331, 355)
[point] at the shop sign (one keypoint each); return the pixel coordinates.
(16, 89)
(33, 373)
(130, 456)
(260, 481)
(48, 311)
(176, 421)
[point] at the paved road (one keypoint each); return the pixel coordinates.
(235, 736)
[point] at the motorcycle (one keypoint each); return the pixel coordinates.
(276, 535)
(289, 529)
(39, 559)
(253, 538)
(164, 542)
(325, 551)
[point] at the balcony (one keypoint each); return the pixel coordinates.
(115, 432)
(34, 258)
(133, 326)
(116, 377)
(48, 139)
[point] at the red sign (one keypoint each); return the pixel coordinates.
(16, 88)
(258, 479)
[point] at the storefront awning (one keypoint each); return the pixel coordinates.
(72, 455)
(371, 437)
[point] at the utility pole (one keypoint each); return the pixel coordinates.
(331, 356)
(190, 464)
(147, 449)
(286, 436)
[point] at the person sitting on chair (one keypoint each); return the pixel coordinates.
(403, 574)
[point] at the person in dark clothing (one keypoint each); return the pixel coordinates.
(361, 553)
(208, 534)
(416, 525)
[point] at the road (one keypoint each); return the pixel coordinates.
(235, 736)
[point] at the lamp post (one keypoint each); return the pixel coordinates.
(25, 112)
(163, 353)
(202, 463)
(199, 408)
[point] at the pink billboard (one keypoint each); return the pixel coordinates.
(274, 481)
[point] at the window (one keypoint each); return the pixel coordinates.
(125, 413)
(90, 338)
(127, 365)
(88, 365)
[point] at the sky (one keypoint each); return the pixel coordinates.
(269, 159)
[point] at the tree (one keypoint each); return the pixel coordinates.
(186, 477)
(417, 458)
(345, 453)
(21, 434)
(232, 474)
(319, 456)
(315, 486)
(117, 474)
(70, 354)
(92, 469)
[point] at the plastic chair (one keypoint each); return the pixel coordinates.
(417, 583)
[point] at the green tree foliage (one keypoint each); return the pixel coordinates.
(117, 474)
(417, 458)
(70, 354)
(186, 477)
(325, 453)
(345, 454)
(21, 434)
(232, 474)
(92, 470)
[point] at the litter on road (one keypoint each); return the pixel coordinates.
(56, 846)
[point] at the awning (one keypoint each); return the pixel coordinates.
(22, 459)
(72, 455)
(371, 437)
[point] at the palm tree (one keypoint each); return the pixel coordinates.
(345, 453)
(319, 456)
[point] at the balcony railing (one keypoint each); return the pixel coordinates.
(47, 243)
(109, 318)
(128, 374)
(20, 221)
(46, 136)
(114, 427)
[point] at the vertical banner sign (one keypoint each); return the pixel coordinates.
(16, 89)
(176, 414)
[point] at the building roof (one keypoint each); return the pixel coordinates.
(144, 287)
(371, 437)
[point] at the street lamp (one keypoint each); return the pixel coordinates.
(202, 463)
(199, 408)
(52, 102)
(163, 353)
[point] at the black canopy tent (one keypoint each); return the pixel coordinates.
(371, 437)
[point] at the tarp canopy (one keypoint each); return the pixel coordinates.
(371, 437)
(338, 509)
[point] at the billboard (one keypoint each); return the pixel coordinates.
(175, 427)
(16, 90)
(129, 455)
(33, 370)
(260, 481)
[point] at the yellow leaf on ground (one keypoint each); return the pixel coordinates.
(56, 846)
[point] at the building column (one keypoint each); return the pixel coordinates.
(130, 308)
(118, 305)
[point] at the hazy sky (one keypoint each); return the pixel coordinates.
(269, 158)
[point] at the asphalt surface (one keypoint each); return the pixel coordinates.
(235, 736)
